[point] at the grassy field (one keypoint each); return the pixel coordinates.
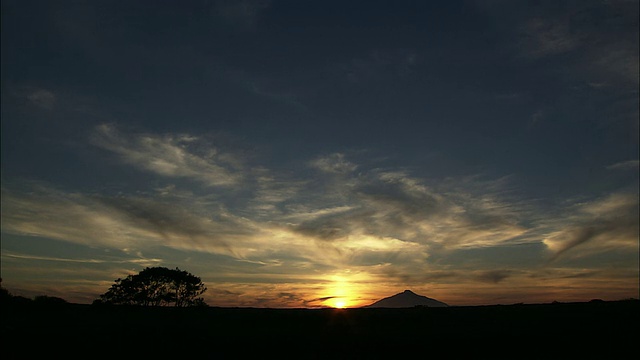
(545, 331)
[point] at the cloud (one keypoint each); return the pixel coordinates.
(280, 226)
(618, 61)
(494, 276)
(139, 261)
(545, 37)
(625, 165)
(175, 156)
(373, 224)
(271, 190)
(394, 206)
(334, 163)
(124, 222)
(601, 225)
(42, 98)
(179, 225)
(359, 219)
(601, 40)
(34, 96)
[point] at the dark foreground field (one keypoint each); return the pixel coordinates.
(546, 331)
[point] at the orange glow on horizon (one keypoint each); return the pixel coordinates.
(342, 292)
(340, 304)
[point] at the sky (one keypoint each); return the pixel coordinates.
(316, 153)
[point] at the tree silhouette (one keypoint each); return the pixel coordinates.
(156, 286)
(5, 295)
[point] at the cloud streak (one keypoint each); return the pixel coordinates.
(173, 156)
(124, 222)
(42, 98)
(142, 262)
(625, 165)
(601, 225)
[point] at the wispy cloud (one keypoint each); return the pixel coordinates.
(625, 165)
(178, 156)
(125, 222)
(42, 98)
(602, 40)
(34, 96)
(394, 205)
(601, 225)
(544, 37)
(333, 163)
(139, 261)
(271, 191)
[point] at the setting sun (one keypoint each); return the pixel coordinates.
(340, 304)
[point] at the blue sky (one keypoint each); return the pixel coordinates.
(299, 153)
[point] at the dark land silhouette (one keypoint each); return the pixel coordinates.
(406, 299)
(33, 329)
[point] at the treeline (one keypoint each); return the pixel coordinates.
(6, 298)
(153, 286)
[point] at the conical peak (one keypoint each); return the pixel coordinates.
(407, 299)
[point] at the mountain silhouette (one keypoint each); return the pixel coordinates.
(406, 299)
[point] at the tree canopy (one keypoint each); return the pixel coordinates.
(157, 286)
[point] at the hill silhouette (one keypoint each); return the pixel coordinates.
(406, 299)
